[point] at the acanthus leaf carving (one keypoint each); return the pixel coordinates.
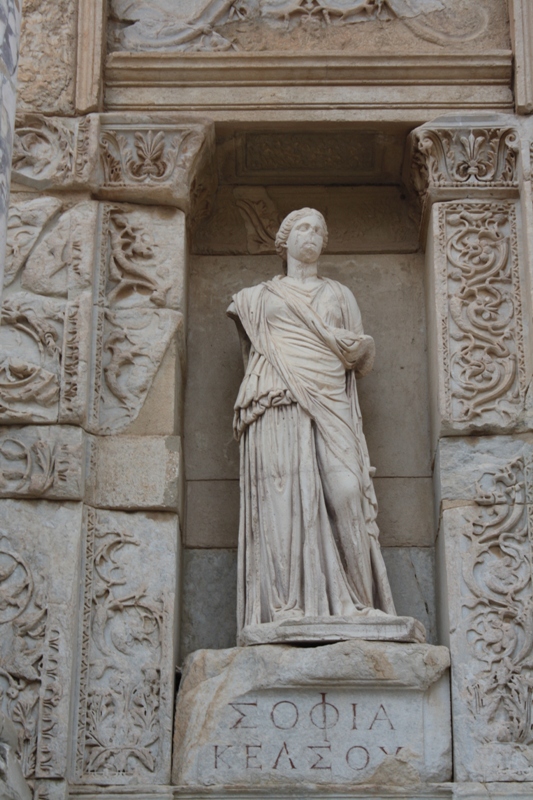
(25, 222)
(482, 347)
(465, 157)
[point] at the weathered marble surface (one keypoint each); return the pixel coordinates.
(48, 56)
(354, 712)
(12, 783)
(135, 472)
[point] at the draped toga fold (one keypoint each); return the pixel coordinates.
(308, 538)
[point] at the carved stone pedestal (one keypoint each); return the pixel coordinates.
(284, 717)
(376, 626)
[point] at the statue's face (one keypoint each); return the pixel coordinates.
(306, 239)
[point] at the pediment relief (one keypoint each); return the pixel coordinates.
(362, 26)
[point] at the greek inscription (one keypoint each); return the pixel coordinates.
(288, 715)
(219, 756)
(357, 757)
(243, 715)
(250, 757)
(284, 752)
(318, 763)
(384, 718)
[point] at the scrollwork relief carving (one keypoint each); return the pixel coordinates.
(482, 347)
(40, 461)
(464, 158)
(261, 217)
(54, 152)
(130, 346)
(25, 223)
(23, 618)
(31, 338)
(119, 723)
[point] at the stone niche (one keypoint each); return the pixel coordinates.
(353, 178)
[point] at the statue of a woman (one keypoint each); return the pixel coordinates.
(310, 564)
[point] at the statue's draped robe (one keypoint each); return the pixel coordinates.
(308, 539)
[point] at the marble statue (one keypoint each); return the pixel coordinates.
(310, 564)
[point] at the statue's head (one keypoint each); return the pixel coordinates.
(303, 233)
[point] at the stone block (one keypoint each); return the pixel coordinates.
(212, 514)
(209, 611)
(45, 461)
(127, 648)
(336, 716)
(487, 589)
(411, 572)
(394, 397)
(40, 552)
(46, 73)
(135, 472)
(405, 516)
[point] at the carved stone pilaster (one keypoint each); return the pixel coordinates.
(485, 541)
(466, 175)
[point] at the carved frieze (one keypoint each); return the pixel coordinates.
(37, 628)
(26, 221)
(261, 217)
(490, 596)
(445, 160)
(124, 722)
(55, 152)
(223, 25)
(42, 461)
(479, 325)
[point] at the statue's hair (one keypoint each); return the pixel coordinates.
(288, 223)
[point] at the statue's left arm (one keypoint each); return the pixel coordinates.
(357, 349)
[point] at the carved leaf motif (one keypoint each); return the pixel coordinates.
(484, 347)
(120, 729)
(26, 221)
(497, 572)
(44, 147)
(481, 157)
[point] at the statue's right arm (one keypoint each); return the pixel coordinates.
(245, 342)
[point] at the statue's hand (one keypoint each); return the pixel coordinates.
(358, 351)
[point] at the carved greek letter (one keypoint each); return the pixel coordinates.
(384, 718)
(316, 748)
(243, 715)
(273, 715)
(283, 750)
(251, 757)
(351, 754)
(220, 756)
